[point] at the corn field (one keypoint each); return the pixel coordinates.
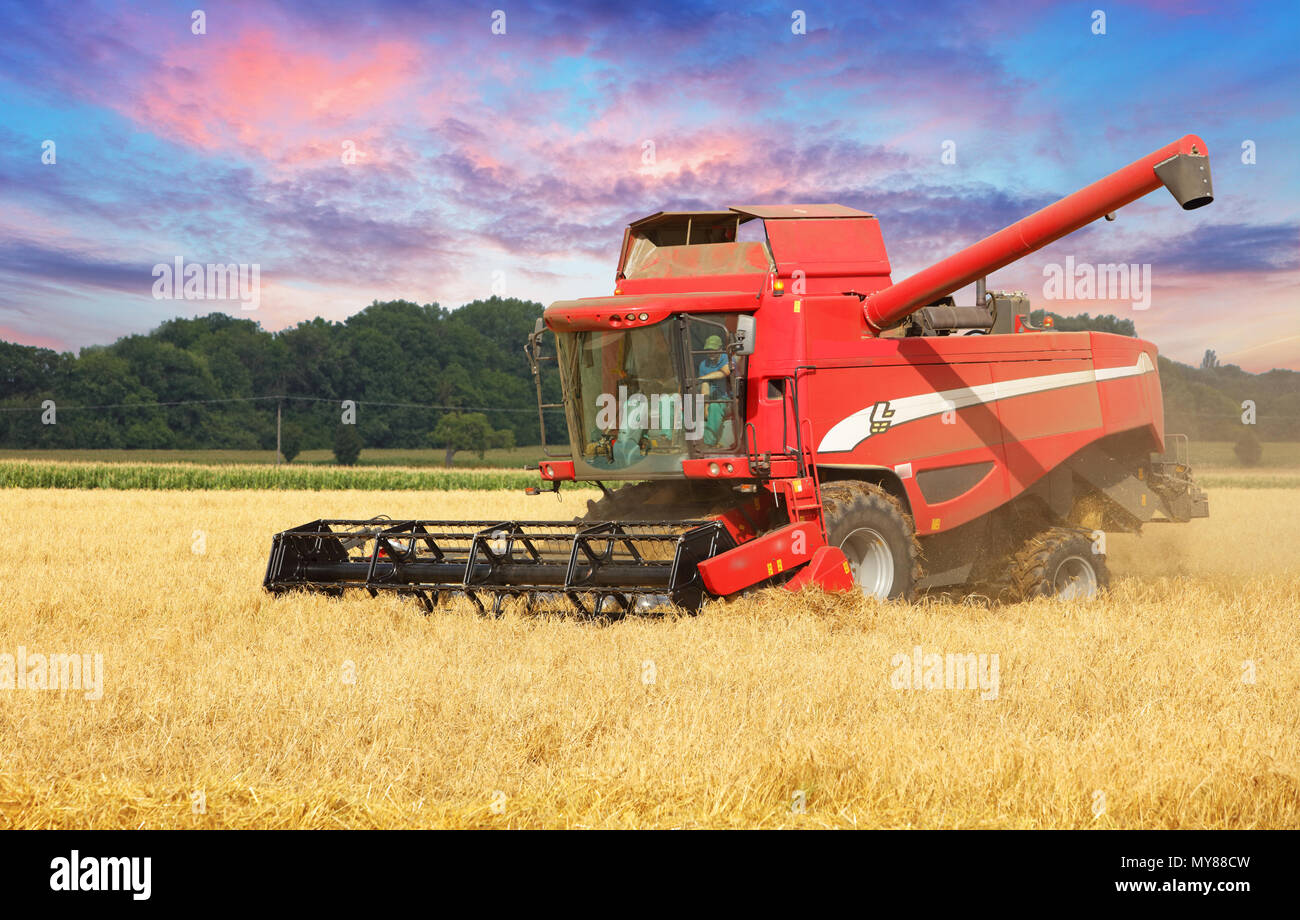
(167, 476)
(57, 474)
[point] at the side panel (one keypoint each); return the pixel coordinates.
(883, 434)
(982, 417)
(1129, 403)
(1040, 429)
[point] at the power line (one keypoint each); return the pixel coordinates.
(249, 399)
(147, 405)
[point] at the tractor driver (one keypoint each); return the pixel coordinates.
(713, 367)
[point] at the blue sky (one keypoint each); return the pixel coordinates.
(510, 162)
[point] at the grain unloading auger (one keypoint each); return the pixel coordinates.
(786, 414)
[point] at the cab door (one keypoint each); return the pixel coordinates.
(714, 384)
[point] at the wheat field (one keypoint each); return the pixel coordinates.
(1173, 703)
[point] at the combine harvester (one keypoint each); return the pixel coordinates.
(791, 416)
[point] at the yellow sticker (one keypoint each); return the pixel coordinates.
(780, 565)
(797, 305)
(1144, 499)
(934, 523)
(798, 485)
(769, 568)
(846, 567)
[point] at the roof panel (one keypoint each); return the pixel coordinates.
(795, 211)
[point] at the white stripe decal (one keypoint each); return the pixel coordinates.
(852, 431)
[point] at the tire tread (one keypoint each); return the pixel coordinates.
(1029, 576)
(849, 497)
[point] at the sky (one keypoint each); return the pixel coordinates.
(446, 152)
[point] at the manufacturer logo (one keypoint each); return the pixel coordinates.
(881, 417)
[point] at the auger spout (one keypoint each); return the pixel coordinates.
(1183, 167)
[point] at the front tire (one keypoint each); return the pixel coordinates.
(876, 536)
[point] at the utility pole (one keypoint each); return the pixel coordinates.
(277, 432)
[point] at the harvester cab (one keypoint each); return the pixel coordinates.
(779, 411)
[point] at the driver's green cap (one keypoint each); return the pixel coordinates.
(713, 342)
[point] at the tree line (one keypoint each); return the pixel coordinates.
(419, 376)
(395, 362)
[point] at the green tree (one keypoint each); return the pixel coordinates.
(291, 436)
(1085, 322)
(1248, 449)
(151, 432)
(468, 431)
(347, 445)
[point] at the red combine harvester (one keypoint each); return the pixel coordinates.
(789, 415)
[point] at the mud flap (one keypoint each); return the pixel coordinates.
(773, 555)
(828, 570)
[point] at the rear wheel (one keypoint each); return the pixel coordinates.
(1059, 563)
(876, 536)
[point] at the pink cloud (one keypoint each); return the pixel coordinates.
(260, 91)
(10, 334)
